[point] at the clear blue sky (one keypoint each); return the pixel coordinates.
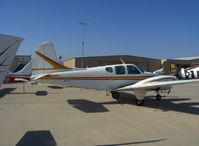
(151, 28)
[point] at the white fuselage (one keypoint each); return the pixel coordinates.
(101, 78)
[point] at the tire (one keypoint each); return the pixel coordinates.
(139, 102)
(115, 95)
(158, 97)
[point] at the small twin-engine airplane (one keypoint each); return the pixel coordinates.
(8, 48)
(114, 78)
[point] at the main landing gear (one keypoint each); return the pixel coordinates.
(139, 102)
(158, 97)
(115, 95)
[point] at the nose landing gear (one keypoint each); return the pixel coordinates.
(115, 95)
(139, 102)
(158, 97)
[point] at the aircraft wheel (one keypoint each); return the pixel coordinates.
(158, 97)
(115, 94)
(139, 102)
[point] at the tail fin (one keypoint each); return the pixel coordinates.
(8, 48)
(46, 60)
(26, 70)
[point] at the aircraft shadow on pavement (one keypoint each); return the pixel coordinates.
(132, 143)
(87, 106)
(170, 105)
(5, 91)
(55, 87)
(38, 93)
(41, 93)
(166, 104)
(37, 138)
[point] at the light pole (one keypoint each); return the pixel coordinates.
(83, 24)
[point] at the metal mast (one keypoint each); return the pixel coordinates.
(83, 24)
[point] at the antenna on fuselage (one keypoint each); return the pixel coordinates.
(122, 61)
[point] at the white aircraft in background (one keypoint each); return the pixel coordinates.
(8, 48)
(45, 61)
(189, 73)
(114, 78)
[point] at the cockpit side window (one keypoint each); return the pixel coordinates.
(109, 69)
(132, 69)
(120, 70)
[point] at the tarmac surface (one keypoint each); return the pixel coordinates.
(53, 116)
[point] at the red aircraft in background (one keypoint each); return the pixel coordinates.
(21, 76)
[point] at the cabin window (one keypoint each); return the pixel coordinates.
(132, 69)
(109, 69)
(120, 70)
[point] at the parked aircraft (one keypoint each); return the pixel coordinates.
(8, 48)
(21, 76)
(45, 61)
(189, 73)
(114, 78)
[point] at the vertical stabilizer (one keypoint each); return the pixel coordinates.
(8, 48)
(26, 70)
(46, 60)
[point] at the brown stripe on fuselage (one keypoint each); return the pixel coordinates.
(45, 68)
(96, 78)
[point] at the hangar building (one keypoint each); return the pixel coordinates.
(173, 66)
(147, 64)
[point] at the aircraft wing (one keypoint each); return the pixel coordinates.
(158, 82)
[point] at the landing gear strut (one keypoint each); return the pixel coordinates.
(139, 102)
(158, 97)
(115, 94)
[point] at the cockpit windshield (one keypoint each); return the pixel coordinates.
(132, 70)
